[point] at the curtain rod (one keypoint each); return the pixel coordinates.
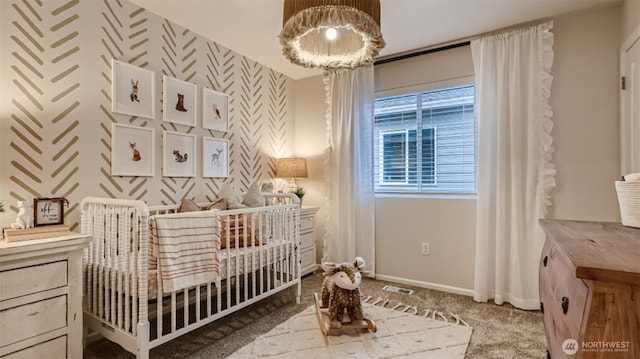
(422, 52)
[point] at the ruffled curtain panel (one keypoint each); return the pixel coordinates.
(350, 226)
(515, 175)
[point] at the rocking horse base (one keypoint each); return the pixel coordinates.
(345, 327)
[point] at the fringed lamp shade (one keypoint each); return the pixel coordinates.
(308, 26)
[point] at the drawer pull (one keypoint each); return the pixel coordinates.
(32, 314)
(565, 305)
(545, 260)
(542, 307)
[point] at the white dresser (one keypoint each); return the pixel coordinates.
(308, 239)
(41, 297)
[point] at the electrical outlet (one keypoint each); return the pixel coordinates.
(426, 249)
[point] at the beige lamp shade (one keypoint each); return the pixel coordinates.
(354, 23)
(291, 168)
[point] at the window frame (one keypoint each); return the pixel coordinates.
(419, 88)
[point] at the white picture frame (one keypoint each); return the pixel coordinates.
(178, 154)
(215, 110)
(215, 157)
(179, 101)
(132, 151)
(133, 90)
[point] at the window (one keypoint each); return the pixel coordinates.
(426, 142)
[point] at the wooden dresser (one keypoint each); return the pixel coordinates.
(590, 289)
(41, 297)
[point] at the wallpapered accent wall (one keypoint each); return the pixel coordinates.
(55, 103)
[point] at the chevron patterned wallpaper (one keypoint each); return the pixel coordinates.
(55, 103)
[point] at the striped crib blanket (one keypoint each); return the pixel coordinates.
(187, 247)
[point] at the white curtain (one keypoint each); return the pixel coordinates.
(350, 226)
(513, 83)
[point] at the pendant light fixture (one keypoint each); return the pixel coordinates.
(331, 34)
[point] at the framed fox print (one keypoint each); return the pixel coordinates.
(132, 150)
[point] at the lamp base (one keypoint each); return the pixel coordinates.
(292, 185)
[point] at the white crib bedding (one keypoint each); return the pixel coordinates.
(258, 256)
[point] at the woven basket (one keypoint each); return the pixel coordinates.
(629, 200)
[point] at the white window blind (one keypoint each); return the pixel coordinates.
(426, 142)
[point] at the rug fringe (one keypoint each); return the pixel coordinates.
(412, 309)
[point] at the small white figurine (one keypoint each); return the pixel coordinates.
(25, 215)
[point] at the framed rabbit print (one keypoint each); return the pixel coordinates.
(133, 90)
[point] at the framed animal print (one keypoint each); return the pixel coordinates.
(132, 151)
(179, 101)
(133, 90)
(215, 157)
(178, 154)
(215, 110)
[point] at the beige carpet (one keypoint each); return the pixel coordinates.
(499, 332)
(399, 335)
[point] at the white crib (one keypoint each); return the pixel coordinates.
(123, 296)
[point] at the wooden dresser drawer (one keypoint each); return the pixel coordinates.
(28, 280)
(32, 319)
(563, 296)
(52, 349)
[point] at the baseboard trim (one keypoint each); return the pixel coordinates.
(428, 285)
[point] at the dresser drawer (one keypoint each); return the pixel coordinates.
(306, 223)
(307, 258)
(52, 349)
(307, 240)
(563, 296)
(28, 280)
(33, 319)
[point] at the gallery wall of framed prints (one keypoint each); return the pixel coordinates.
(133, 148)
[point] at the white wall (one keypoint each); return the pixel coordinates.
(630, 18)
(403, 224)
(585, 102)
(310, 142)
(586, 111)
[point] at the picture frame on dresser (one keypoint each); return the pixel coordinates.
(178, 154)
(215, 110)
(132, 151)
(179, 101)
(215, 157)
(48, 211)
(133, 90)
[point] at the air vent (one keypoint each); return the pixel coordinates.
(390, 288)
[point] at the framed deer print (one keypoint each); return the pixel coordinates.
(215, 157)
(178, 154)
(133, 90)
(179, 101)
(215, 110)
(132, 151)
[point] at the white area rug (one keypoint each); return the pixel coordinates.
(399, 335)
